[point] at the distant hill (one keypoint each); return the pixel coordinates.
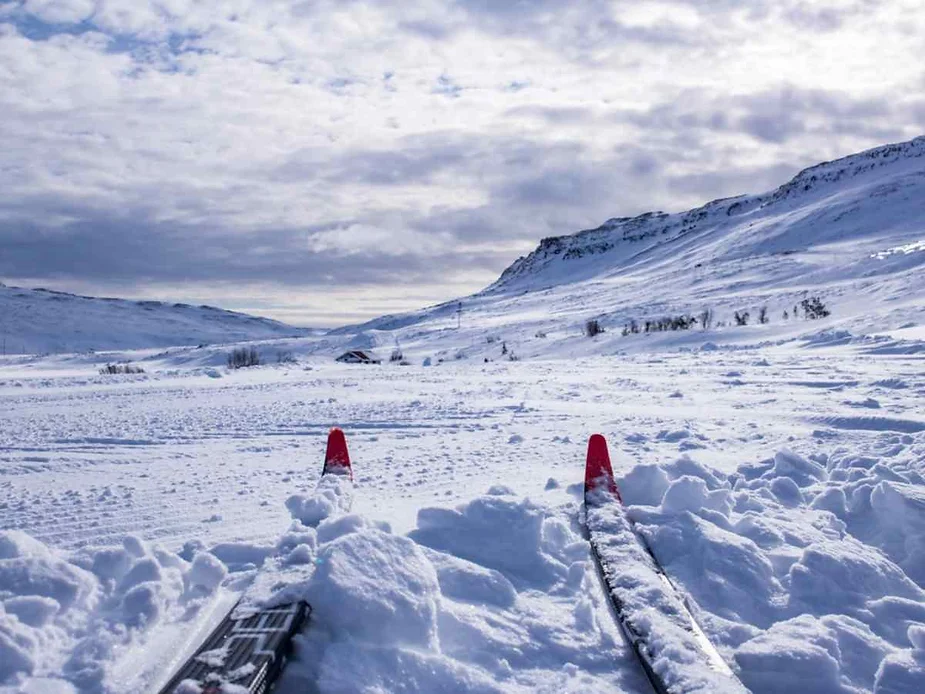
(40, 321)
(850, 232)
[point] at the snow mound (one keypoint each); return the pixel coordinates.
(65, 618)
(333, 495)
(410, 613)
(807, 571)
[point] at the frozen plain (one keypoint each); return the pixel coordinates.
(781, 485)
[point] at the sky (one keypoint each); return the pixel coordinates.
(325, 162)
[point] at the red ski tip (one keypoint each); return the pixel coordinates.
(337, 458)
(598, 469)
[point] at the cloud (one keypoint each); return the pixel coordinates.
(284, 149)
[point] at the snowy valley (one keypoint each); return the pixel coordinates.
(776, 468)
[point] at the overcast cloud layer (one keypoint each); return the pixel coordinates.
(326, 161)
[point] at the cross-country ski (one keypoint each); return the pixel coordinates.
(250, 646)
(672, 648)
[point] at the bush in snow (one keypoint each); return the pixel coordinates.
(285, 358)
(593, 327)
(112, 369)
(741, 318)
(763, 315)
(706, 318)
(242, 357)
(813, 308)
(396, 355)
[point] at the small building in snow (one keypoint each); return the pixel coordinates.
(358, 356)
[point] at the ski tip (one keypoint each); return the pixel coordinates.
(598, 469)
(336, 458)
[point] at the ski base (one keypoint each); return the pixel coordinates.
(248, 652)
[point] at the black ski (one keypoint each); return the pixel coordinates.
(247, 651)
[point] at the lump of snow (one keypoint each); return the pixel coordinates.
(134, 545)
(142, 571)
(802, 471)
(515, 438)
(787, 491)
(497, 532)
(551, 483)
(15, 656)
(842, 575)
(367, 669)
(672, 436)
(500, 490)
(370, 584)
(27, 567)
(332, 496)
(901, 673)
(236, 554)
(142, 605)
(644, 485)
(207, 571)
(333, 528)
(467, 582)
(33, 610)
(805, 654)
(684, 494)
(300, 555)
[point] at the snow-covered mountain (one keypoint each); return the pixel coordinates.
(850, 231)
(41, 320)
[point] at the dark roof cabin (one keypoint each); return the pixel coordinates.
(358, 356)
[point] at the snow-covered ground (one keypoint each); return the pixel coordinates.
(781, 485)
(777, 469)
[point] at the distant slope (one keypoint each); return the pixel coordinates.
(873, 199)
(39, 321)
(851, 231)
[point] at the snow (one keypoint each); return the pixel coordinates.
(777, 470)
(41, 321)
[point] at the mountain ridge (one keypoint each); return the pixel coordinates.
(44, 320)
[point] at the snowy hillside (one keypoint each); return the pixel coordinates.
(851, 232)
(42, 321)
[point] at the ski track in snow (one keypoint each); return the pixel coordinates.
(173, 457)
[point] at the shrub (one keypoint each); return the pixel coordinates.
(540, 334)
(285, 358)
(741, 318)
(813, 308)
(396, 355)
(242, 357)
(763, 315)
(112, 369)
(706, 318)
(593, 327)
